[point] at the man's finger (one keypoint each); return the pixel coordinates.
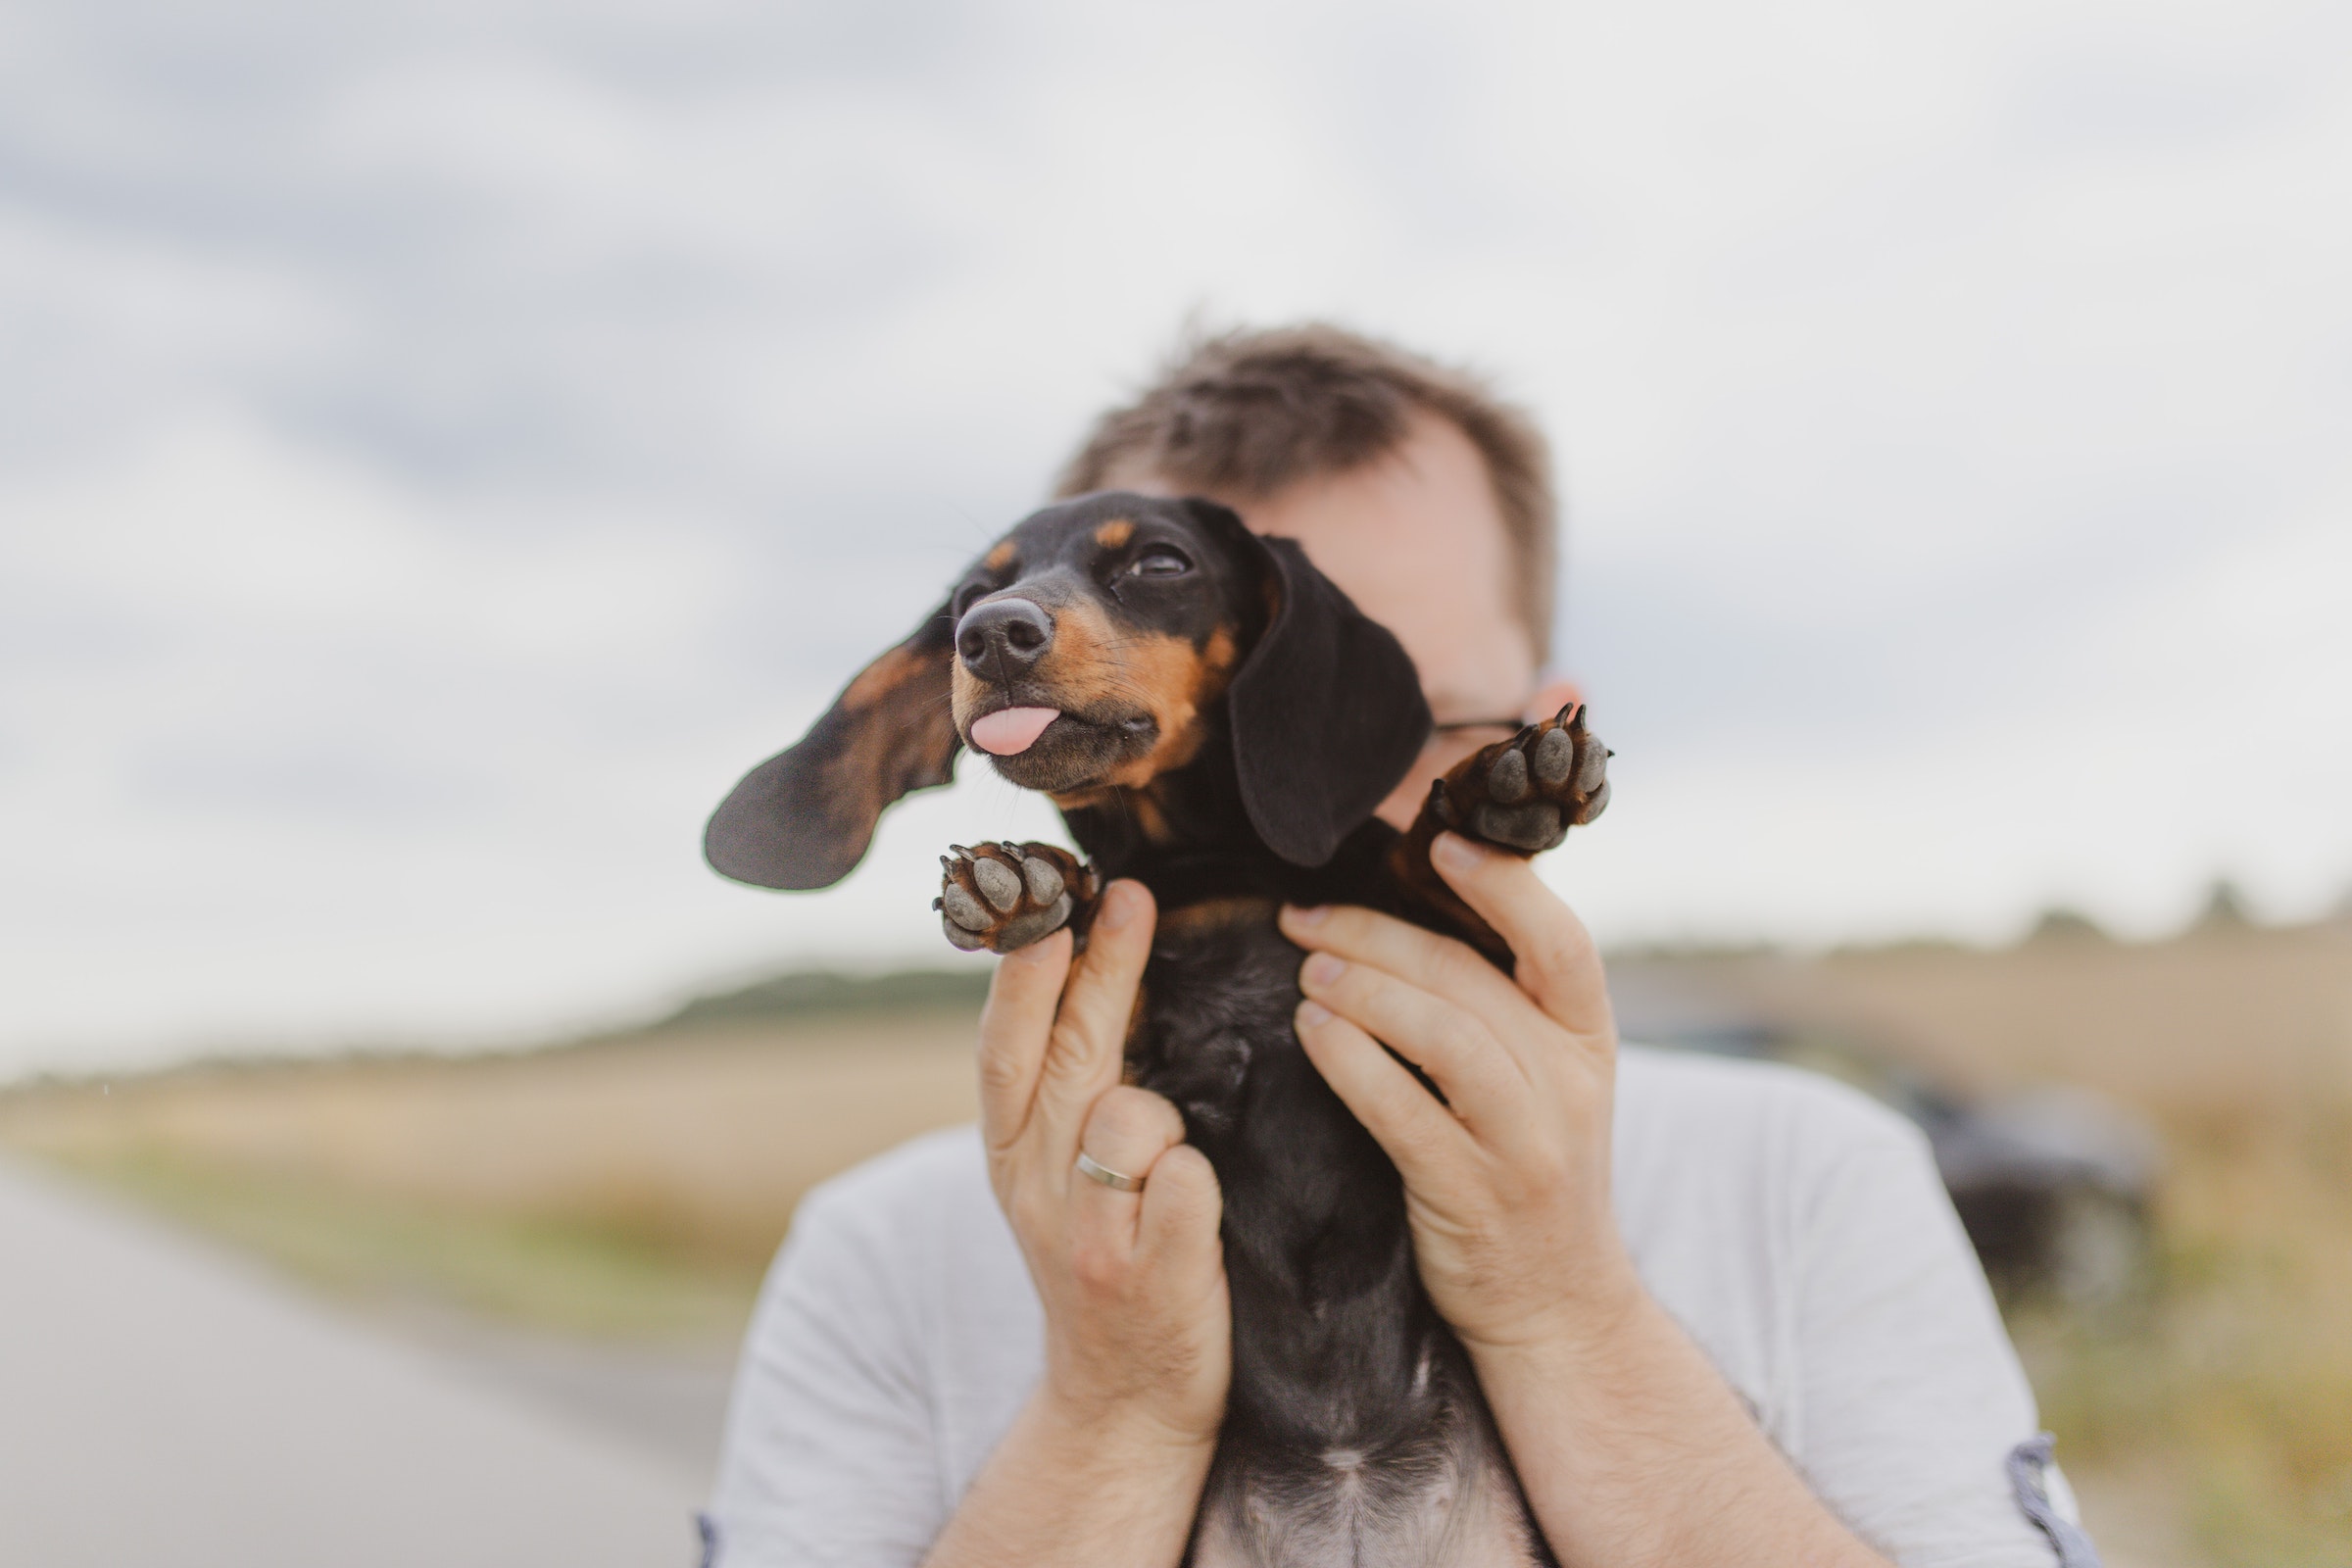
(1445, 968)
(1022, 997)
(1419, 1134)
(1482, 1081)
(1089, 1038)
(1557, 961)
(1181, 1210)
(1126, 1133)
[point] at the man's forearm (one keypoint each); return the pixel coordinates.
(1063, 1492)
(1634, 1451)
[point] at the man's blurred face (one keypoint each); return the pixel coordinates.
(1416, 540)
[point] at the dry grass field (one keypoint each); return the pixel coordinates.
(634, 1185)
(637, 1185)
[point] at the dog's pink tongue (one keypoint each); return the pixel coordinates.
(1008, 731)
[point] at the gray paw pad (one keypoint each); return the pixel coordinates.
(1555, 755)
(963, 909)
(1045, 882)
(1506, 781)
(1028, 928)
(999, 883)
(1533, 828)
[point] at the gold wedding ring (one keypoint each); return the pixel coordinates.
(1092, 1171)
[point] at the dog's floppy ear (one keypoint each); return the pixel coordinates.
(1327, 709)
(802, 818)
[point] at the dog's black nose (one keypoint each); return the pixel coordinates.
(1004, 638)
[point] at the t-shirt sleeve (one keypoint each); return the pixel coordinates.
(829, 1459)
(1913, 1401)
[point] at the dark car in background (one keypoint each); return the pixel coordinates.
(2053, 1185)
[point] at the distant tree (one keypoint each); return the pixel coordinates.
(2225, 907)
(819, 993)
(2059, 923)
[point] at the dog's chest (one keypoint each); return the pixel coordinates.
(1331, 1327)
(1218, 997)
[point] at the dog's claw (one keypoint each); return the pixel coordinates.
(1524, 794)
(1441, 804)
(1003, 897)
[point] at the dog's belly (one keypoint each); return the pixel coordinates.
(1469, 1516)
(1355, 1434)
(1431, 1487)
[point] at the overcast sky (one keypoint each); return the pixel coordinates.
(442, 445)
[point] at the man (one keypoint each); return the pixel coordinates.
(1723, 1312)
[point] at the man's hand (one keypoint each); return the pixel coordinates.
(1508, 1179)
(1138, 1331)
(1106, 1461)
(1631, 1448)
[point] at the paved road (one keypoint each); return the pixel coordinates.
(668, 1402)
(166, 1406)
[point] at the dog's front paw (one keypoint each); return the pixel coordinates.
(1525, 793)
(1003, 897)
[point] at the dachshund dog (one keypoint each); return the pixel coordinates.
(1217, 720)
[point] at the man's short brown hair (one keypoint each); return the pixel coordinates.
(1248, 412)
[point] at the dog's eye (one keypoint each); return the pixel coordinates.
(965, 597)
(1159, 563)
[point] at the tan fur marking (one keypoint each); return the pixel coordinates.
(1177, 680)
(1087, 652)
(1166, 676)
(880, 678)
(1114, 534)
(998, 558)
(1149, 820)
(963, 691)
(1212, 914)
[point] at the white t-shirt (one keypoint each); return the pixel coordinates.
(1796, 1229)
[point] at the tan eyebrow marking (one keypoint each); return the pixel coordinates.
(1116, 533)
(998, 558)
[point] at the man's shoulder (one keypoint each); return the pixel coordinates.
(1746, 1190)
(899, 1233)
(937, 1176)
(1752, 1131)
(1683, 1093)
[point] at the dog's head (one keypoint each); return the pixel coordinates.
(1089, 652)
